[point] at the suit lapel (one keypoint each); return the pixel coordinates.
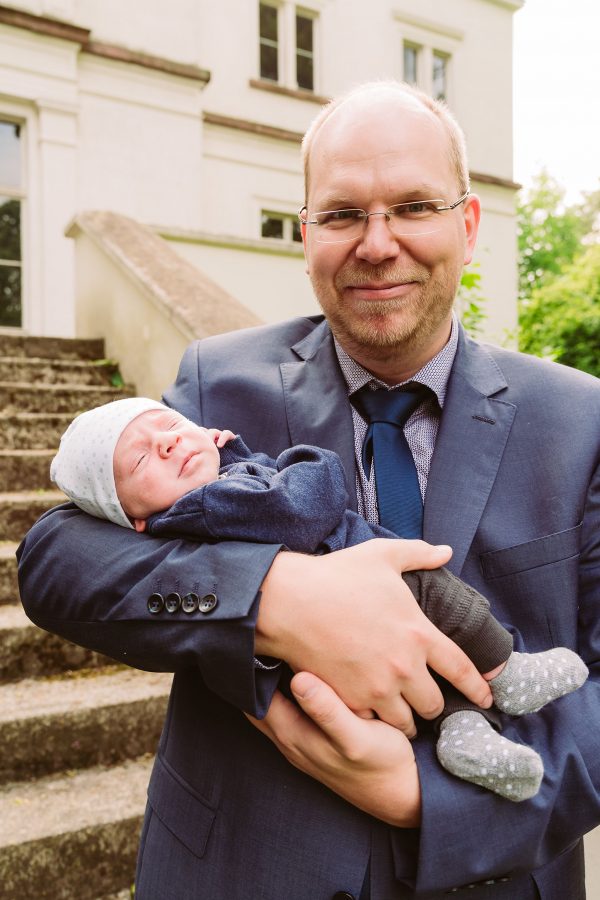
(316, 400)
(473, 433)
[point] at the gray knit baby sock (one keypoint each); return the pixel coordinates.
(471, 749)
(530, 680)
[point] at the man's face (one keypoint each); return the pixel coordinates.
(159, 457)
(382, 293)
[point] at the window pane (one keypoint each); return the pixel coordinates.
(10, 155)
(410, 63)
(304, 33)
(296, 232)
(304, 72)
(10, 229)
(268, 63)
(10, 296)
(271, 227)
(268, 22)
(439, 76)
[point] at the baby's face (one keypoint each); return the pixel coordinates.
(160, 457)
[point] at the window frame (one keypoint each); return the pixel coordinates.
(288, 220)
(287, 44)
(20, 195)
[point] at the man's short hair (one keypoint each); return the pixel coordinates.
(456, 138)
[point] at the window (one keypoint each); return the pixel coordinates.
(269, 46)
(304, 51)
(411, 60)
(10, 224)
(287, 43)
(280, 226)
(439, 75)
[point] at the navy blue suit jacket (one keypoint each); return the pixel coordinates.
(513, 487)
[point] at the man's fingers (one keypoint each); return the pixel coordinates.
(397, 712)
(327, 711)
(450, 662)
(414, 554)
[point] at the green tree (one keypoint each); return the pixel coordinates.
(559, 267)
(549, 233)
(561, 319)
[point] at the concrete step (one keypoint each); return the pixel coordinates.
(16, 397)
(22, 470)
(59, 371)
(32, 431)
(27, 651)
(72, 836)
(19, 510)
(51, 348)
(100, 717)
(9, 590)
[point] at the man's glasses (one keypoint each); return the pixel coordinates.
(416, 217)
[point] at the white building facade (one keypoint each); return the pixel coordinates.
(188, 116)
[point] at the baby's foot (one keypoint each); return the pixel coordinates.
(471, 749)
(530, 680)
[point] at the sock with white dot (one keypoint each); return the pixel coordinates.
(530, 680)
(471, 749)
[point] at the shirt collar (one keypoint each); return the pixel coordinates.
(434, 374)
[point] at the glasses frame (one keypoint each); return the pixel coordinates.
(386, 212)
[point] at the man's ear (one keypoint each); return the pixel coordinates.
(304, 233)
(139, 524)
(472, 215)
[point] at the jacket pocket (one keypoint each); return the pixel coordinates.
(542, 551)
(186, 815)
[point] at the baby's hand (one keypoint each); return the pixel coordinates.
(221, 437)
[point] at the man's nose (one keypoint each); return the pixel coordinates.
(166, 441)
(378, 241)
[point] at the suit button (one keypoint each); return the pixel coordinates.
(189, 603)
(156, 604)
(208, 603)
(342, 895)
(172, 602)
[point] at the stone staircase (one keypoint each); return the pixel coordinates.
(77, 732)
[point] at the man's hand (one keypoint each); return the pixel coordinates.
(350, 619)
(368, 763)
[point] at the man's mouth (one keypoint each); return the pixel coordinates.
(376, 290)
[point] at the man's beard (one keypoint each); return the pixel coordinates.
(384, 326)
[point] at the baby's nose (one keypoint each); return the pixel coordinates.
(167, 441)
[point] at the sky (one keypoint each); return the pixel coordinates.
(557, 93)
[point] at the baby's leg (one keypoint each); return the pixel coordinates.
(471, 749)
(530, 680)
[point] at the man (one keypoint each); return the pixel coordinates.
(339, 803)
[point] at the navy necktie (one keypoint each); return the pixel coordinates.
(396, 482)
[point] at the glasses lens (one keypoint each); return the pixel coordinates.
(415, 218)
(338, 225)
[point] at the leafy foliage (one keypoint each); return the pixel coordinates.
(470, 302)
(559, 275)
(561, 319)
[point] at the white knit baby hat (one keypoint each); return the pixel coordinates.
(83, 466)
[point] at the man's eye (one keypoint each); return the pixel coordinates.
(414, 209)
(139, 460)
(339, 217)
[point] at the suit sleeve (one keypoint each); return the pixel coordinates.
(90, 582)
(520, 837)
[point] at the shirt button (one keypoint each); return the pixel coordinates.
(208, 603)
(156, 604)
(189, 603)
(342, 895)
(172, 602)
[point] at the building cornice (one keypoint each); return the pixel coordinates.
(280, 134)
(43, 25)
(56, 28)
(295, 137)
(297, 93)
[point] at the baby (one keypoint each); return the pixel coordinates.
(142, 465)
